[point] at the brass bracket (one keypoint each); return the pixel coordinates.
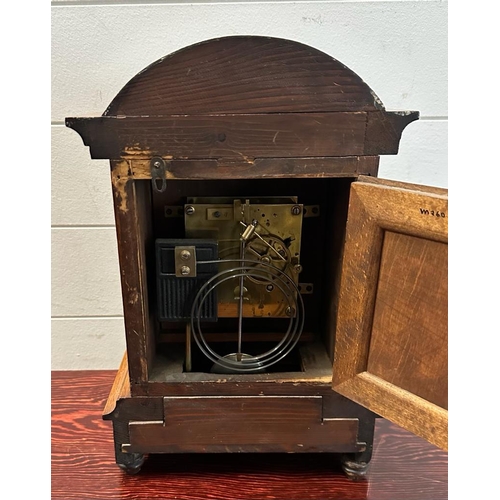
(311, 211)
(185, 261)
(220, 213)
(306, 288)
(173, 211)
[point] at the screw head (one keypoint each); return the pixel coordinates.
(157, 164)
(189, 210)
(297, 268)
(185, 270)
(185, 255)
(289, 311)
(296, 210)
(266, 259)
(270, 288)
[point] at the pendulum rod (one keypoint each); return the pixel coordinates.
(245, 236)
(240, 304)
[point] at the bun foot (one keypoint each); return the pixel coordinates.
(354, 469)
(131, 463)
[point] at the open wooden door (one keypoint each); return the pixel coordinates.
(391, 346)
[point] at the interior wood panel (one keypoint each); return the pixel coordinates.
(409, 343)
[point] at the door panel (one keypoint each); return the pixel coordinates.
(391, 341)
(409, 344)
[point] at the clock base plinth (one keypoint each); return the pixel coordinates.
(306, 418)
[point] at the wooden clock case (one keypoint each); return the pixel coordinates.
(256, 116)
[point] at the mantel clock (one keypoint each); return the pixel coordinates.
(277, 295)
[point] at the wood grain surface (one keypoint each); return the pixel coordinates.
(83, 466)
(245, 136)
(368, 315)
(133, 230)
(409, 341)
(239, 74)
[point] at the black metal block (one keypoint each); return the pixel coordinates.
(176, 294)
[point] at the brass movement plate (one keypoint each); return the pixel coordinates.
(276, 241)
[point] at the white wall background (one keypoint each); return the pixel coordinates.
(398, 47)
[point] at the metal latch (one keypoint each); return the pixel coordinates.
(158, 174)
(185, 261)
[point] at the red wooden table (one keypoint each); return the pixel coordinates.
(404, 467)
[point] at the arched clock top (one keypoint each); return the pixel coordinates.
(244, 74)
(242, 98)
